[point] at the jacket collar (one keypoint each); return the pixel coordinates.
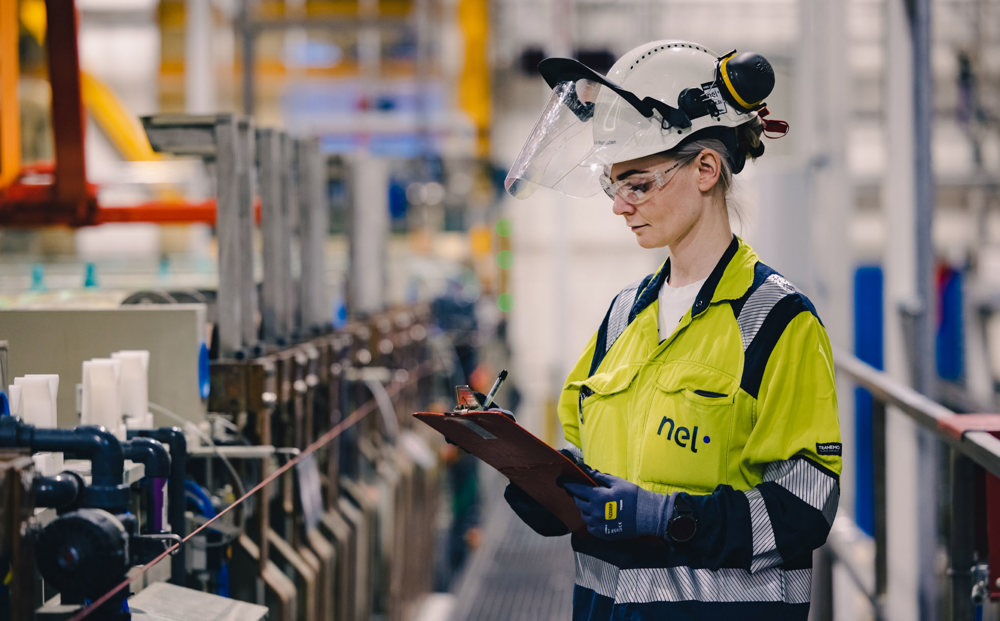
(729, 280)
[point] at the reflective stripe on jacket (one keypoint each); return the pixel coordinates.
(737, 411)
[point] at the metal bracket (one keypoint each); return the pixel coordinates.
(144, 548)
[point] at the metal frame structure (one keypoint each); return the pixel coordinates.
(220, 139)
(972, 442)
(59, 193)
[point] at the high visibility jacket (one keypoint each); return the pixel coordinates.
(737, 412)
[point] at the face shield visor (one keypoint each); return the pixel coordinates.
(584, 128)
(587, 125)
(555, 154)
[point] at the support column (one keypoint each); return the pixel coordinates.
(290, 239)
(369, 234)
(273, 324)
(228, 303)
(911, 455)
(68, 122)
(247, 149)
(199, 65)
(314, 221)
(10, 119)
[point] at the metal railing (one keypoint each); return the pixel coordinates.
(967, 451)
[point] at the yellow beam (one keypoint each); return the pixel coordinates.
(474, 80)
(10, 116)
(121, 127)
(33, 19)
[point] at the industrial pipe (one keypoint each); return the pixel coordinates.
(61, 491)
(96, 444)
(150, 453)
(154, 457)
(175, 441)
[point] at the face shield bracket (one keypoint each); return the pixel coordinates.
(670, 117)
(560, 70)
(693, 102)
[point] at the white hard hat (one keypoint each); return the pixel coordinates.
(652, 99)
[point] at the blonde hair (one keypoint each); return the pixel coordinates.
(746, 145)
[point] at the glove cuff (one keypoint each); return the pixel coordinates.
(574, 453)
(653, 512)
(532, 513)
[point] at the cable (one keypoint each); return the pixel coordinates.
(237, 481)
(201, 498)
(385, 407)
(356, 416)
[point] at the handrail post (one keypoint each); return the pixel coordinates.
(961, 540)
(822, 595)
(879, 509)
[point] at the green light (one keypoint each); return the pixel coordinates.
(505, 259)
(504, 227)
(505, 302)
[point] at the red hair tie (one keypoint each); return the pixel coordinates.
(773, 128)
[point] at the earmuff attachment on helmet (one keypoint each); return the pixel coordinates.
(744, 79)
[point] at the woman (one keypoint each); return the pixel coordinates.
(705, 403)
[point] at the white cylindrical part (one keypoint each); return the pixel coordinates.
(102, 402)
(36, 405)
(38, 400)
(14, 392)
(134, 382)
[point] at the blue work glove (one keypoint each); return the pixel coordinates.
(533, 513)
(575, 455)
(620, 509)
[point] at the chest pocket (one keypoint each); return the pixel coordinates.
(688, 427)
(603, 410)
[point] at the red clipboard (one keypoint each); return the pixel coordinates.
(515, 452)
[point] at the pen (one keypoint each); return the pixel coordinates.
(493, 391)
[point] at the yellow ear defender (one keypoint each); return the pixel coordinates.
(745, 79)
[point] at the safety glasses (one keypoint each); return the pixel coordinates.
(639, 187)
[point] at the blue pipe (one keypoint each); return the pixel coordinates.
(201, 498)
(96, 444)
(150, 453)
(61, 491)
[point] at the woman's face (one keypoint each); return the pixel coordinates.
(659, 199)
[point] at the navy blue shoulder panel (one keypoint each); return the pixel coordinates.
(600, 348)
(760, 274)
(602, 339)
(649, 290)
(763, 313)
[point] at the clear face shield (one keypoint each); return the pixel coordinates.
(554, 153)
(584, 128)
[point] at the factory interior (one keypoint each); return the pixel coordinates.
(242, 242)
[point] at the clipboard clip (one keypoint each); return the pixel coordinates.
(466, 400)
